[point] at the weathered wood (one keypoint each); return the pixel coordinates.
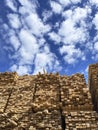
(93, 84)
(48, 102)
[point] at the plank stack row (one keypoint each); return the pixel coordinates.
(47, 93)
(7, 78)
(47, 102)
(40, 120)
(93, 84)
(74, 94)
(81, 120)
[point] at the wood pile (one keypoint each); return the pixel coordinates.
(15, 97)
(93, 84)
(74, 94)
(47, 102)
(47, 93)
(24, 80)
(47, 120)
(20, 100)
(81, 120)
(41, 120)
(4, 94)
(7, 78)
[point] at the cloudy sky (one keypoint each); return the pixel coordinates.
(55, 35)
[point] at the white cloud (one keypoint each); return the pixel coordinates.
(29, 47)
(28, 40)
(26, 3)
(89, 46)
(46, 60)
(24, 70)
(64, 2)
(95, 21)
(69, 59)
(68, 2)
(43, 61)
(13, 67)
(57, 66)
(75, 1)
(81, 13)
(56, 7)
(67, 14)
(78, 15)
(21, 70)
(35, 25)
(71, 34)
(41, 41)
(74, 27)
(55, 37)
(46, 49)
(14, 20)
(96, 46)
(96, 57)
(15, 42)
(94, 2)
(27, 32)
(28, 6)
(11, 4)
(46, 15)
(71, 54)
(31, 50)
(86, 70)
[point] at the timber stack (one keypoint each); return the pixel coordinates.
(49, 101)
(93, 84)
(7, 78)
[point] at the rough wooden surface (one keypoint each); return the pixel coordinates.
(46, 102)
(93, 84)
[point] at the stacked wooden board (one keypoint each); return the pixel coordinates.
(81, 120)
(15, 100)
(93, 84)
(29, 108)
(46, 91)
(7, 78)
(46, 102)
(74, 94)
(40, 120)
(4, 94)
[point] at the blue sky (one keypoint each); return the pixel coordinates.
(55, 35)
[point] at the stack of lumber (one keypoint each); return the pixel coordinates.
(47, 120)
(40, 120)
(81, 120)
(74, 94)
(94, 91)
(15, 101)
(46, 92)
(17, 97)
(7, 78)
(93, 84)
(93, 70)
(22, 106)
(20, 100)
(47, 102)
(4, 94)
(24, 80)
